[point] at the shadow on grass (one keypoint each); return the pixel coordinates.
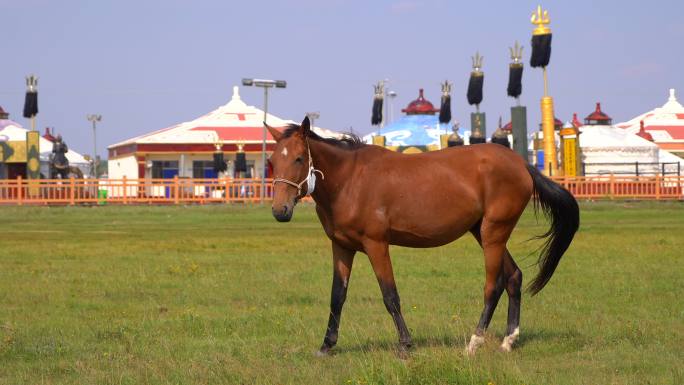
(571, 339)
(448, 341)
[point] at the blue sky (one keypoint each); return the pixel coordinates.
(145, 65)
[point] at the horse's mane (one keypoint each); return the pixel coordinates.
(348, 141)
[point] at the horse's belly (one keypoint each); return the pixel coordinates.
(432, 232)
(407, 239)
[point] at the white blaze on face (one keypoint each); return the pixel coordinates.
(284, 152)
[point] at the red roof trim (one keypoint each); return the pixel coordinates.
(420, 106)
(183, 148)
(237, 133)
(676, 132)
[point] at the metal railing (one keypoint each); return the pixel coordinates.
(632, 168)
(226, 190)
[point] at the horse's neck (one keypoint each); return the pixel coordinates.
(333, 162)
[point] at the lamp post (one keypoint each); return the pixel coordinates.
(312, 117)
(265, 84)
(93, 118)
(392, 95)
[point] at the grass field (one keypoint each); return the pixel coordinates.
(224, 294)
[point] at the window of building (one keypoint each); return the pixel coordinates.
(203, 169)
(164, 169)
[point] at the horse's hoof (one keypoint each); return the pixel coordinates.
(404, 352)
(509, 340)
(324, 351)
(475, 342)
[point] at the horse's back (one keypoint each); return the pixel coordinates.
(432, 198)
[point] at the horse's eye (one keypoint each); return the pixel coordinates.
(299, 159)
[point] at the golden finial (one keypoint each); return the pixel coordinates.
(541, 19)
(241, 145)
(379, 89)
(477, 62)
(31, 83)
(218, 145)
(446, 88)
(516, 53)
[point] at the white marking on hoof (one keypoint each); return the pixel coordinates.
(509, 340)
(284, 152)
(475, 342)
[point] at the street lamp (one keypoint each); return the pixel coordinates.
(392, 95)
(265, 84)
(312, 117)
(94, 119)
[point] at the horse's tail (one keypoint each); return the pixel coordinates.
(560, 207)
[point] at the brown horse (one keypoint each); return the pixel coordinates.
(368, 197)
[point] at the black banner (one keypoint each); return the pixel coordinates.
(475, 88)
(240, 162)
(515, 72)
(541, 50)
(445, 110)
(31, 104)
(219, 164)
(377, 111)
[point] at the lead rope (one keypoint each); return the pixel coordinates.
(310, 178)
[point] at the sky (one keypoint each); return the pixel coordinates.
(149, 64)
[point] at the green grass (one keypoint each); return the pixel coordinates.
(224, 294)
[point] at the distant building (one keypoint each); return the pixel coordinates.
(185, 150)
(665, 125)
(607, 149)
(418, 130)
(13, 151)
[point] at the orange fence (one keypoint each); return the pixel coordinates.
(624, 187)
(224, 190)
(131, 191)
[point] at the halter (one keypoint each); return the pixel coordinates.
(310, 178)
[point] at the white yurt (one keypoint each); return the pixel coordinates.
(185, 150)
(11, 131)
(664, 125)
(607, 149)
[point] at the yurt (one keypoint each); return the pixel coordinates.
(12, 134)
(186, 150)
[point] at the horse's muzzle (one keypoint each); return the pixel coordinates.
(283, 214)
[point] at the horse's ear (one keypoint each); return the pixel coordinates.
(277, 135)
(305, 128)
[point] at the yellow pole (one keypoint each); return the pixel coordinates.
(541, 19)
(548, 128)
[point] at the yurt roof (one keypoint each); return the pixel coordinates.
(665, 124)
(610, 136)
(234, 122)
(13, 131)
(412, 130)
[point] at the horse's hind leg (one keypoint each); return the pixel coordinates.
(492, 237)
(513, 282)
(342, 266)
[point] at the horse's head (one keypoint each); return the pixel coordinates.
(290, 162)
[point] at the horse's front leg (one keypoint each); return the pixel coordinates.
(342, 266)
(378, 253)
